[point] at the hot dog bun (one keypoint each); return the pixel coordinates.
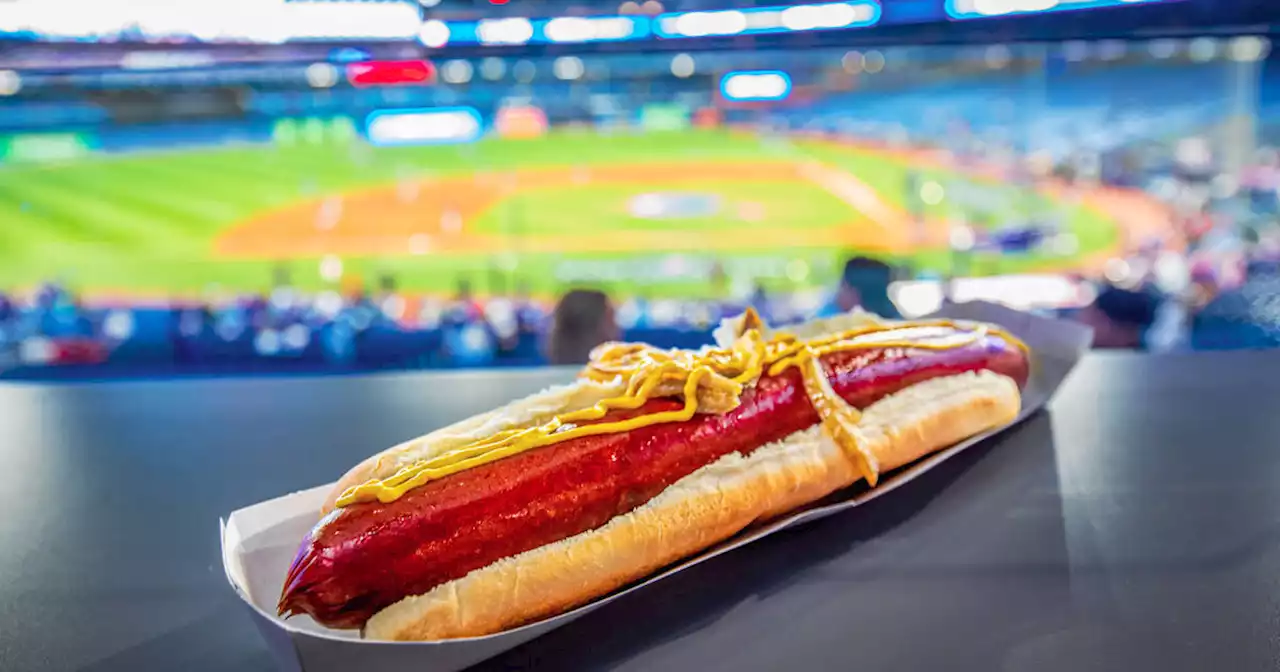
(698, 511)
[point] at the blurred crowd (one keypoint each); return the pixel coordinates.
(1154, 300)
(379, 328)
(362, 329)
(1216, 289)
(50, 325)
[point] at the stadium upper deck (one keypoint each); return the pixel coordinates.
(440, 24)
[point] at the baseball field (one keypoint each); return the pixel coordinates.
(684, 213)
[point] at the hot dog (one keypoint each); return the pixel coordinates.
(471, 530)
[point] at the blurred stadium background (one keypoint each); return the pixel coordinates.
(311, 185)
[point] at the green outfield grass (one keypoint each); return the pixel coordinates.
(146, 222)
(592, 208)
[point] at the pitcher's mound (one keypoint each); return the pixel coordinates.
(673, 205)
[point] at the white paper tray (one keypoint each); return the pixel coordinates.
(259, 542)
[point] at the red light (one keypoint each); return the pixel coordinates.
(390, 73)
(497, 2)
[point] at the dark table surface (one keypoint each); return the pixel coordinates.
(1134, 526)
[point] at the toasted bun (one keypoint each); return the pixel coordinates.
(698, 511)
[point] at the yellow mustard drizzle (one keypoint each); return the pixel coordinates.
(839, 419)
(724, 370)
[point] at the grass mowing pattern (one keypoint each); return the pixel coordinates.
(146, 222)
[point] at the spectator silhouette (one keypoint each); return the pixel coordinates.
(582, 319)
(865, 283)
(1240, 318)
(1120, 318)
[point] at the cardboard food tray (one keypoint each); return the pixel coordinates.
(259, 542)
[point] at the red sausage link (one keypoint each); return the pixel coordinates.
(364, 557)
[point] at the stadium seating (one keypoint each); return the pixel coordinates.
(1101, 110)
(177, 135)
(50, 115)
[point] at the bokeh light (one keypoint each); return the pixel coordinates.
(683, 65)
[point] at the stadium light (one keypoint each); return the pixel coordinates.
(10, 83)
(833, 15)
(702, 24)
(1001, 7)
(1112, 50)
(524, 71)
(852, 62)
(1203, 49)
(760, 20)
(515, 30)
(570, 29)
(321, 75)
(568, 68)
(979, 9)
(1076, 51)
(765, 22)
(761, 85)
(1163, 48)
(998, 56)
(873, 62)
(1248, 48)
(493, 68)
(456, 71)
(683, 65)
(434, 34)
